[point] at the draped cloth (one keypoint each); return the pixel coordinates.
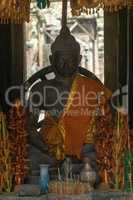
(73, 129)
(88, 119)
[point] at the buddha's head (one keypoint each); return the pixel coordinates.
(65, 56)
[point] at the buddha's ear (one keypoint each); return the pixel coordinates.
(80, 58)
(51, 59)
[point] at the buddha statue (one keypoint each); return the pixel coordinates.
(68, 99)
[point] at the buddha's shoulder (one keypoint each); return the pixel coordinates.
(88, 80)
(93, 84)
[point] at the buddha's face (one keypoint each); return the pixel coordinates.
(65, 62)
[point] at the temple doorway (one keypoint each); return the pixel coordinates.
(45, 25)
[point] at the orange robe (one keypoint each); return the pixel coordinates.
(74, 127)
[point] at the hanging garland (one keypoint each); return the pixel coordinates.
(92, 6)
(16, 11)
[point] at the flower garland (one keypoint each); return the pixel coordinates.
(103, 145)
(111, 142)
(18, 139)
(5, 157)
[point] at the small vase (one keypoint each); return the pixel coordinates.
(88, 175)
(44, 178)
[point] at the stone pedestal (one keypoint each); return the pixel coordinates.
(91, 196)
(27, 190)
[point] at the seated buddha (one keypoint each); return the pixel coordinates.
(69, 101)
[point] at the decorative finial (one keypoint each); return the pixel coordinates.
(64, 13)
(65, 41)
